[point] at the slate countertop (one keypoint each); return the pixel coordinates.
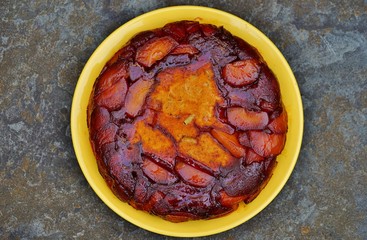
(43, 48)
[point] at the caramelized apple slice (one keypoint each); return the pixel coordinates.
(247, 120)
(105, 135)
(154, 50)
(243, 180)
(116, 72)
(208, 29)
(176, 30)
(193, 176)
(279, 124)
(244, 140)
(136, 96)
(251, 157)
(223, 127)
(228, 201)
(177, 217)
(266, 145)
(157, 173)
(241, 73)
(239, 97)
(192, 27)
(141, 194)
(113, 97)
(99, 118)
(185, 48)
(141, 38)
(157, 197)
(119, 167)
(135, 72)
(267, 91)
(230, 142)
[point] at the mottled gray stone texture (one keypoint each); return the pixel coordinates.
(43, 48)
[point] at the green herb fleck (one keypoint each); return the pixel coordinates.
(189, 119)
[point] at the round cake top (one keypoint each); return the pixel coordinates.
(186, 122)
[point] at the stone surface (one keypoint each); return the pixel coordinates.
(43, 48)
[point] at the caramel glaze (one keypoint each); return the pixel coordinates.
(193, 151)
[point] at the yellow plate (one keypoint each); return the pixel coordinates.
(155, 19)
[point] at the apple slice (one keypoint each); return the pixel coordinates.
(266, 145)
(247, 120)
(243, 180)
(251, 157)
(192, 175)
(230, 142)
(135, 71)
(105, 135)
(279, 124)
(241, 73)
(112, 98)
(223, 127)
(208, 29)
(228, 201)
(119, 166)
(244, 140)
(154, 201)
(192, 27)
(157, 173)
(117, 71)
(136, 96)
(177, 217)
(240, 97)
(99, 118)
(154, 50)
(185, 48)
(266, 91)
(176, 30)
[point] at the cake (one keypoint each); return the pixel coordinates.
(186, 121)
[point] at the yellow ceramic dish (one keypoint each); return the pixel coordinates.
(155, 19)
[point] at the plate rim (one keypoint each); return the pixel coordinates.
(77, 99)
